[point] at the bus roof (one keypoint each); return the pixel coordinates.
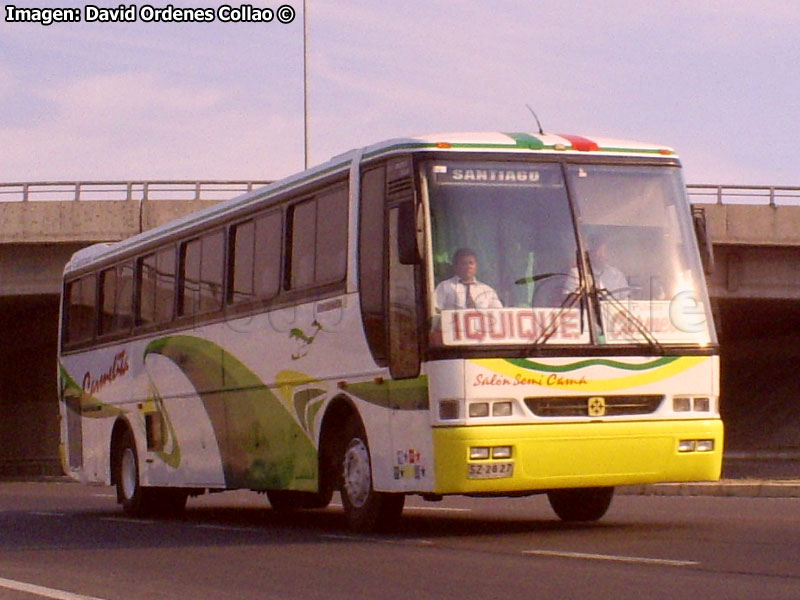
(520, 141)
(540, 143)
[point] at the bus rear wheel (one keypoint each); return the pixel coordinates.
(581, 504)
(365, 509)
(136, 500)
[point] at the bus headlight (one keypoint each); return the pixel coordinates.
(479, 409)
(689, 404)
(502, 409)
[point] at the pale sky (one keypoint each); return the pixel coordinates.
(716, 79)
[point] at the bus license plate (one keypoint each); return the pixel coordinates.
(490, 470)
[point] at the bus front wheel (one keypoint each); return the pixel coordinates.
(365, 509)
(581, 504)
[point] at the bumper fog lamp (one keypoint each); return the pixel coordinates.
(501, 409)
(479, 409)
(478, 453)
(686, 446)
(449, 410)
(501, 452)
(705, 445)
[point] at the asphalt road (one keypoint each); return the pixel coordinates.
(73, 543)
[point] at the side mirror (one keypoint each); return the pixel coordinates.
(407, 234)
(703, 238)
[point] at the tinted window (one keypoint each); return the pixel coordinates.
(256, 258)
(156, 287)
(202, 261)
(81, 306)
(318, 235)
(116, 298)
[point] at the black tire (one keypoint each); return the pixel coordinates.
(290, 500)
(365, 509)
(581, 504)
(136, 500)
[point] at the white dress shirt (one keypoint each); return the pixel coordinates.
(452, 294)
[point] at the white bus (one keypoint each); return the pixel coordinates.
(321, 334)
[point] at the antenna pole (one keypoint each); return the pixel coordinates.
(541, 131)
(305, 84)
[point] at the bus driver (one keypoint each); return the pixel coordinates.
(463, 290)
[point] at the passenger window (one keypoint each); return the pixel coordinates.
(156, 287)
(116, 298)
(81, 309)
(202, 261)
(256, 265)
(318, 234)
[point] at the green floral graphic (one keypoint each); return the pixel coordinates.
(262, 445)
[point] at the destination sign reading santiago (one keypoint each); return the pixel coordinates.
(147, 13)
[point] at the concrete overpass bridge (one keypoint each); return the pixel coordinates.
(755, 289)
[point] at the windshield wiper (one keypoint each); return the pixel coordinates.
(608, 296)
(567, 303)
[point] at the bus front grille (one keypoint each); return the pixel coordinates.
(593, 406)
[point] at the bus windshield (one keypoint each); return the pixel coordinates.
(545, 253)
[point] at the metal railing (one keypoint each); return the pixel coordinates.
(744, 194)
(77, 191)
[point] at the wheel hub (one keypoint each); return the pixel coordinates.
(128, 475)
(357, 477)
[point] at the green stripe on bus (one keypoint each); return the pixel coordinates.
(531, 365)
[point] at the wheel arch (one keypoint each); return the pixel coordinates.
(340, 411)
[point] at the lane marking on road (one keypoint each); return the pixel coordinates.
(430, 508)
(375, 540)
(47, 513)
(42, 591)
(438, 508)
(127, 520)
(230, 528)
(615, 558)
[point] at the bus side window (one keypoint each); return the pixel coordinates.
(201, 274)
(317, 232)
(156, 287)
(81, 305)
(116, 298)
(256, 256)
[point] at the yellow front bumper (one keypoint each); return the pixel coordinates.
(578, 455)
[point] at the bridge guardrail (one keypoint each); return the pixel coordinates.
(700, 193)
(78, 191)
(54, 191)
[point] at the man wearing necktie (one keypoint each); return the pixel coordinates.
(463, 290)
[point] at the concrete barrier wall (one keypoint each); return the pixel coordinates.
(754, 224)
(93, 221)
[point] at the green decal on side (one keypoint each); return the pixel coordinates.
(261, 444)
(81, 402)
(173, 456)
(401, 394)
